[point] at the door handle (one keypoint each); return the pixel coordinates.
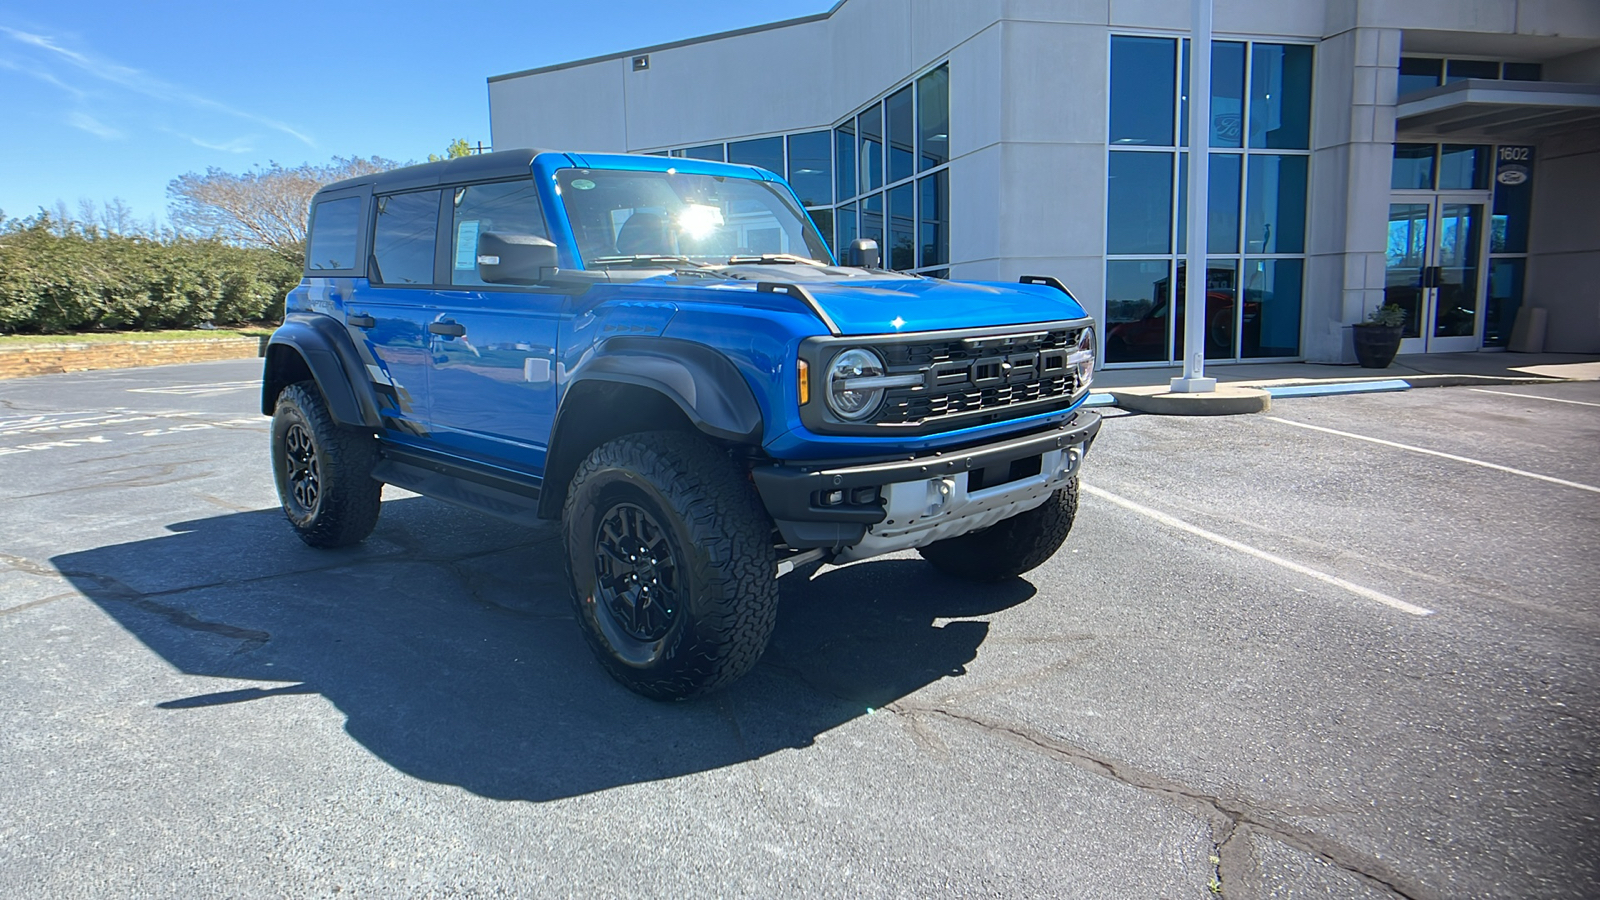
(448, 328)
(362, 320)
(1432, 275)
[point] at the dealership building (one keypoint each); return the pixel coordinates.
(1439, 154)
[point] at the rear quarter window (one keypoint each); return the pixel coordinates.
(334, 224)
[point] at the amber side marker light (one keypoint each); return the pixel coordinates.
(803, 372)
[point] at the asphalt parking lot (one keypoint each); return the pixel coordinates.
(1348, 648)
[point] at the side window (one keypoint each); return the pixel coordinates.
(333, 234)
(404, 238)
(508, 207)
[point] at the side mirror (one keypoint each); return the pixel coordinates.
(863, 253)
(515, 258)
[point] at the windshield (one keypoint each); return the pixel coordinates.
(620, 218)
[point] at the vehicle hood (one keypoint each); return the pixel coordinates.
(868, 305)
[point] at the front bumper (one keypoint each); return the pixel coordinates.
(885, 506)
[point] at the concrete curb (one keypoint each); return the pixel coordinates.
(81, 356)
(1226, 400)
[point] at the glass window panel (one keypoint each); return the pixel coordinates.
(764, 152)
(1138, 294)
(1463, 167)
(1457, 255)
(870, 124)
(933, 117)
(844, 141)
(1222, 278)
(405, 237)
(334, 224)
(1462, 69)
(1222, 199)
(1522, 72)
(1280, 96)
(1412, 169)
(1227, 95)
(1271, 324)
(1139, 203)
(872, 223)
(1505, 298)
(711, 152)
(934, 227)
(678, 153)
(508, 206)
(902, 135)
(823, 219)
(1405, 252)
(811, 167)
(1275, 205)
(901, 253)
(1142, 86)
(847, 229)
(1419, 73)
(936, 273)
(1513, 195)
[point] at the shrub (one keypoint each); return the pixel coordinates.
(57, 278)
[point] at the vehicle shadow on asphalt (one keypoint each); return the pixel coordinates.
(448, 643)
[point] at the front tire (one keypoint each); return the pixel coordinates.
(670, 556)
(323, 471)
(1009, 547)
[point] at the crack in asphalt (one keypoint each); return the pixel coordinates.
(1229, 816)
(23, 564)
(40, 602)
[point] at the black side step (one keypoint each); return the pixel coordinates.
(506, 498)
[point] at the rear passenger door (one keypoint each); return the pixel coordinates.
(392, 309)
(493, 376)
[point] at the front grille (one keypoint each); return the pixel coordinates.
(992, 373)
(963, 378)
(912, 405)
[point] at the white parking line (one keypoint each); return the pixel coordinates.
(1466, 459)
(1535, 397)
(1230, 543)
(220, 387)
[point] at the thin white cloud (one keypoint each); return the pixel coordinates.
(85, 122)
(135, 80)
(237, 145)
(43, 76)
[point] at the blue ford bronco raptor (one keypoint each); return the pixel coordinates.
(663, 354)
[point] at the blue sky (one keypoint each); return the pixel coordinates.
(103, 99)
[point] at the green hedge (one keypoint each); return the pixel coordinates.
(56, 280)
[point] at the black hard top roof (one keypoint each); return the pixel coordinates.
(477, 167)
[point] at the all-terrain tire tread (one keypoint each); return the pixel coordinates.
(351, 499)
(731, 556)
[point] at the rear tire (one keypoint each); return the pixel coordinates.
(323, 470)
(1009, 547)
(670, 557)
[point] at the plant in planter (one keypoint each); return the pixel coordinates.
(1377, 339)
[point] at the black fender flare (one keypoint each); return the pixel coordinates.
(699, 382)
(323, 345)
(704, 384)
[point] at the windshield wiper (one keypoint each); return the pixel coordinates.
(647, 258)
(773, 258)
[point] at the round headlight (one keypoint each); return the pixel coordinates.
(847, 397)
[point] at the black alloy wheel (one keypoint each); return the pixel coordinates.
(636, 573)
(303, 472)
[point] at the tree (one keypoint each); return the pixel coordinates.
(264, 207)
(457, 149)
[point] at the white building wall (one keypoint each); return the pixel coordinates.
(1029, 109)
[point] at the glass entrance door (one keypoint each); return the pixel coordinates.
(1433, 270)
